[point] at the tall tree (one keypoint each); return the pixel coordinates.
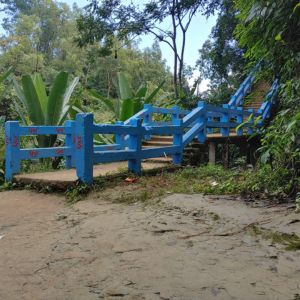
(105, 19)
(221, 58)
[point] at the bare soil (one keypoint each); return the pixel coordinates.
(184, 247)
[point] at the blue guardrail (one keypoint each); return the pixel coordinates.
(80, 152)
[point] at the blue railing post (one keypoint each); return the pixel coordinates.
(175, 114)
(225, 119)
(240, 120)
(177, 141)
(209, 130)
(202, 135)
(69, 141)
(135, 143)
(147, 119)
(84, 147)
(12, 149)
(120, 138)
(251, 121)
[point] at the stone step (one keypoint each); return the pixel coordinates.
(156, 143)
(162, 138)
(162, 160)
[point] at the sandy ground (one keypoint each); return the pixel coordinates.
(187, 247)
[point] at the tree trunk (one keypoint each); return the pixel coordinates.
(181, 61)
(175, 78)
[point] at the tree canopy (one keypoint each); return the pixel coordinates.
(106, 20)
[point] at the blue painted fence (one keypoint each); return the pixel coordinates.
(80, 152)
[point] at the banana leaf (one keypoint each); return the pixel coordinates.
(56, 99)
(154, 93)
(141, 92)
(127, 109)
(32, 101)
(124, 88)
(41, 92)
(6, 74)
(108, 102)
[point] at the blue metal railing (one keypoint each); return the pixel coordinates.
(237, 98)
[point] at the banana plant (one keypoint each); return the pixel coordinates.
(37, 107)
(129, 101)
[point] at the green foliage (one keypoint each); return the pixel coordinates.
(43, 109)
(269, 30)
(1, 155)
(212, 179)
(129, 102)
(74, 194)
(4, 77)
(39, 38)
(107, 21)
(281, 148)
(221, 59)
(290, 241)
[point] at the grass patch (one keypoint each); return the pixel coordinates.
(209, 179)
(290, 241)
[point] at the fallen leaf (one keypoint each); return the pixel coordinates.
(131, 180)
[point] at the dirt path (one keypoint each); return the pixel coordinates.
(188, 247)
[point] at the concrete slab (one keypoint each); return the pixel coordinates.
(62, 178)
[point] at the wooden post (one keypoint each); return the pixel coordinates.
(69, 142)
(135, 143)
(212, 153)
(12, 149)
(84, 147)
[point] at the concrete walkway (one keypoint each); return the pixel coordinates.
(64, 178)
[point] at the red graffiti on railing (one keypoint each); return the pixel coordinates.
(16, 141)
(6, 140)
(32, 130)
(60, 130)
(59, 151)
(78, 142)
(33, 153)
